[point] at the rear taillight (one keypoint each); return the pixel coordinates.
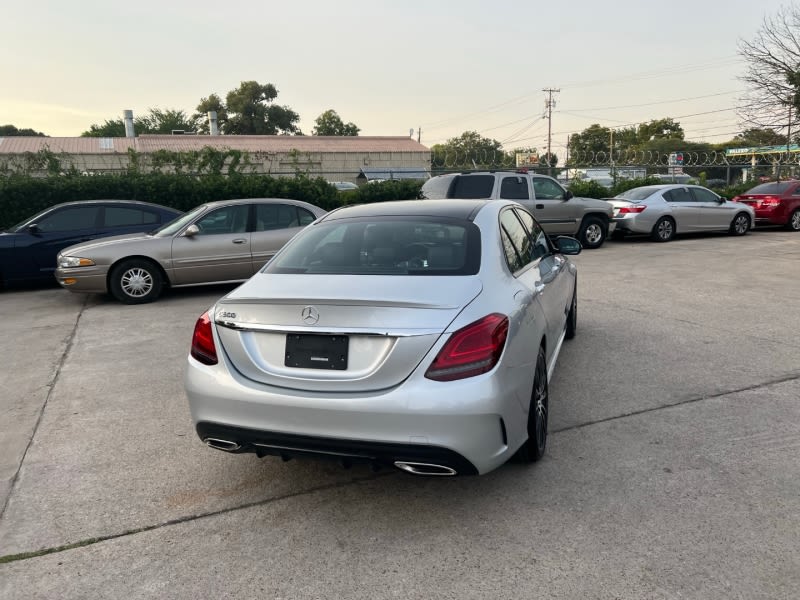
(626, 210)
(472, 350)
(203, 348)
(770, 201)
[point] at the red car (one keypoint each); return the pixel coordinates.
(775, 203)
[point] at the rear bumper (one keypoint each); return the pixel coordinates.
(271, 443)
(633, 224)
(474, 425)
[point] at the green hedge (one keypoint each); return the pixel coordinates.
(22, 196)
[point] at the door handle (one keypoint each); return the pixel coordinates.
(538, 287)
(239, 241)
(540, 206)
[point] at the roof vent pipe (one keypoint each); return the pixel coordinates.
(127, 116)
(213, 126)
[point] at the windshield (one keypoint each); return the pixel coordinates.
(179, 223)
(771, 188)
(21, 225)
(637, 194)
(383, 246)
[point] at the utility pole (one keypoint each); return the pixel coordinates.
(549, 104)
(419, 134)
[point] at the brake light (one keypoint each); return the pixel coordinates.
(203, 348)
(472, 350)
(772, 201)
(625, 210)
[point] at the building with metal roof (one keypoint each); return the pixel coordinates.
(339, 158)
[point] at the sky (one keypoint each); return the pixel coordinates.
(444, 67)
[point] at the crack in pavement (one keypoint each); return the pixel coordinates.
(692, 400)
(9, 558)
(52, 386)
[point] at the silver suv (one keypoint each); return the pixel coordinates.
(556, 209)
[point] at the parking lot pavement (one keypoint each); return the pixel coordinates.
(672, 468)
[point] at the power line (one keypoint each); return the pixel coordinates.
(659, 102)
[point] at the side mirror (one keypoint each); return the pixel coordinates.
(191, 231)
(568, 245)
(33, 228)
(722, 200)
(568, 195)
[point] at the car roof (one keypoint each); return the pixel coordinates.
(116, 201)
(257, 201)
(453, 209)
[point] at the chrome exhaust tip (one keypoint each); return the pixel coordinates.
(224, 445)
(417, 468)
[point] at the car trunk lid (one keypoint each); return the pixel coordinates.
(340, 333)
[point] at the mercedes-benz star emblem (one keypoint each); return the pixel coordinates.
(310, 315)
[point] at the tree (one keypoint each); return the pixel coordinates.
(772, 75)
(756, 136)
(330, 123)
(591, 141)
(154, 121)
(548, 160)
(469, 149)
(249, 110)
(11, 131)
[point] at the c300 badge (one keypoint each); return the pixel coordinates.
(226, 315)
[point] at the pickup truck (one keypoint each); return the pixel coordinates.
(556, 209)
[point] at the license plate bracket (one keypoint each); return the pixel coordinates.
(316, 351)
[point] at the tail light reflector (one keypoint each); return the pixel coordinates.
(203, 348)
(472, 350)
(627, 210)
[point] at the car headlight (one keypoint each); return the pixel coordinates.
(74, 261)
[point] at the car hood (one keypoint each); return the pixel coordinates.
(106, 242)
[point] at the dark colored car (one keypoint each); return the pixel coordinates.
(775, 203)
(28, 250)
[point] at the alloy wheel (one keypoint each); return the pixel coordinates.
(594, 234)
(665, 230)
(794, 222)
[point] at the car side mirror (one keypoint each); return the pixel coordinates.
(568, 245)
(33, 228)
(191, 231)
(722, 200)
(568, 195)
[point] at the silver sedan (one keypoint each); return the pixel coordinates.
(415, 335)
(225, 241)
(665, 210)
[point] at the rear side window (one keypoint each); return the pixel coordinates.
(278, 216)
(678, 195)
(514, 188)
(126, 217)
(516, 243)
(472, 187)
(541, 246)
(383, 246)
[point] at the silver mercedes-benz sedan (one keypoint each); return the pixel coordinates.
(217, 242)
(418, 335)
(665, 210)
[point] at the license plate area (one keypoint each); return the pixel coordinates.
(314, 351)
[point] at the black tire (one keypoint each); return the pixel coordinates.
(593, 232)
(740, 224)
(534, 447)
(136, 281)
(793, 224)
(572, 316)
(663, 230)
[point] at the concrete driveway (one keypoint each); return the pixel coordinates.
(673, 467)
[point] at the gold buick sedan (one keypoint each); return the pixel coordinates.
(217, 242)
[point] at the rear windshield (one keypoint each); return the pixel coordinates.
(471, 187)
(436, 187)
(384, 246)
(771, 188)
(639, 193)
